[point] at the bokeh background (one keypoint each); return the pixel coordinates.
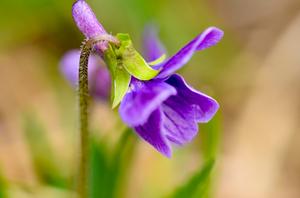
(254, 73)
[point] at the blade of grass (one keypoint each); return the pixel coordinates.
(3, 186)
(121, 162)
(99, 169)
(197, 183)
(108, 170)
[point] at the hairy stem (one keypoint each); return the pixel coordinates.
(84, 131)
(83, 183)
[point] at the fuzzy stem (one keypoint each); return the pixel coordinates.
(84, 131)
(83, 92)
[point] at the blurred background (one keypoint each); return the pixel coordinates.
(254, 73)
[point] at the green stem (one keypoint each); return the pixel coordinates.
(84, 132)
(83, 183)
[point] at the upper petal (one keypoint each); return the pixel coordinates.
(208, 38)
(142, 99)
(153, 133)
(205, 106)
(153, 48)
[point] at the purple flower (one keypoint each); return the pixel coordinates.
(166, 110)
(99, 79)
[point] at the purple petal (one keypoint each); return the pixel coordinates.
(179, 120)
(205, 107)
(153, 48)
(99, 79)
(208, 38)
(100, 84)
(142, 99)
(152, 133)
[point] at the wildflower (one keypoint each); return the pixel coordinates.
(99, 78)
(166, 109)
(163, 109)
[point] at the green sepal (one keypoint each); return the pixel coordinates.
(132, 61)
(158, 60)
(120, 77)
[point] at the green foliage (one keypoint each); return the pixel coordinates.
(197, 184)
(210, 135)
(43, 159)
(122, 62)
(109, 170)
(132, 61)
(120, 77)
(3, 187)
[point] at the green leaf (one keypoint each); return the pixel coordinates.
(99, 171)
(196, 184)
(133, 62)
(121, 162)
(110, 169)
(120, 77)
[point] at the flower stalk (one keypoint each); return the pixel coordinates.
(84, 131)
(83, 92)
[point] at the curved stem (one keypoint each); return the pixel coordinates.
(84, 132)
(83, 92)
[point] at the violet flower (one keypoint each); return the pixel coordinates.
(164, 110)
(99, 78)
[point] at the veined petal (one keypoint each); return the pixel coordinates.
(208, 38)
(142, 99)
(205, 107)
(153, 133)
(179, 120)
(153, 48)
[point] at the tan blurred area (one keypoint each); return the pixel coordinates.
(260, 155)
(259, 93)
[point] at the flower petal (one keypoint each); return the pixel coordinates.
(142, 99)
(179, 120)
(100, 84)
(152, 133)
(99, 80)
(153, 48)
(183, 111)
(205, 106)
(208, 38)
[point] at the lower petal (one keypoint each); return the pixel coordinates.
(204, 106)
(152, 132)
(179, 120)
